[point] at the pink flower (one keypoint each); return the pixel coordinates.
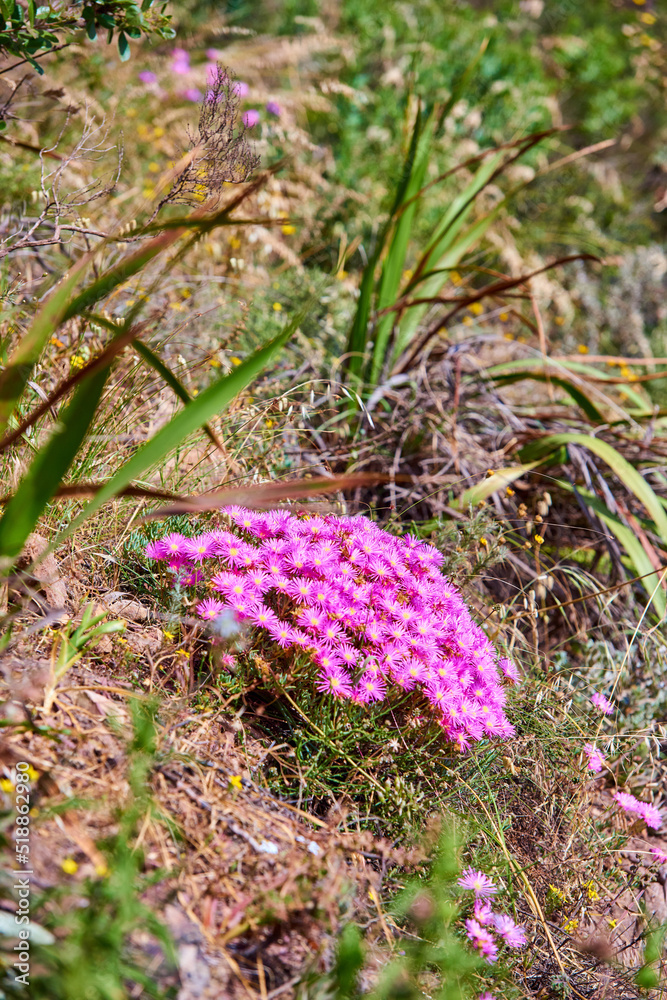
(274, 109)
(651, 815)
(659, 855)
(482, 940)
(602, 703)
(483, 914)
(371, 687)
(147, 76)
(282, 633)
(596, 759)
(192, 94)
(181, 62)
(240, 88)
(335, 681)
(210, 609)
(487, 996)
(512, 934)
(509, 670)
(478, 882)
(250, 118)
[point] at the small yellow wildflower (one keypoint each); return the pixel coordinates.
(69, 866)
(591, 891)
(158, 132)
(288, 230)
(168, 635)
(214, 363)
(508, 336)
(31, 773)
(484, 542)
(235, 781)
(560, 320)
(467, 320)
(277, 307)
(455, 277)
(7, 786)
(407, 274)
(646, 39)
(612, 922)
(186, 293)
(490, 472)
(56, 342)
(234, 242)
(509, 491)
(102, 869)
(582, 349)
(639, 3)
(647, 17)
(235, 361)
(76, 361)
(268, 423)
(476, 308)
(341, 275)
(34, 811)
(148, 192)
(503, 317)
(570, 925)
(538, 539)
(131, 113)
(154, 168)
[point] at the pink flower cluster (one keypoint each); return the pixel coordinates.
(485, 922)
(649, 813)
(373, 611)
(596, 760)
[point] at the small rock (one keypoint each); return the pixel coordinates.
(117, 603)
(149, 640)
(46, 573)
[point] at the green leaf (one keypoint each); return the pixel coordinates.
(49, 466)
(123, 47)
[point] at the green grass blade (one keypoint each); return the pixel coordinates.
(432, 286)
(394, 263)
(193, 416)
(633, 480)
(358, 338)
(49, 467)
(579, 397)
(19, 367)
(174, 384)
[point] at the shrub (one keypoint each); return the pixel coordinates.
(372, 613)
